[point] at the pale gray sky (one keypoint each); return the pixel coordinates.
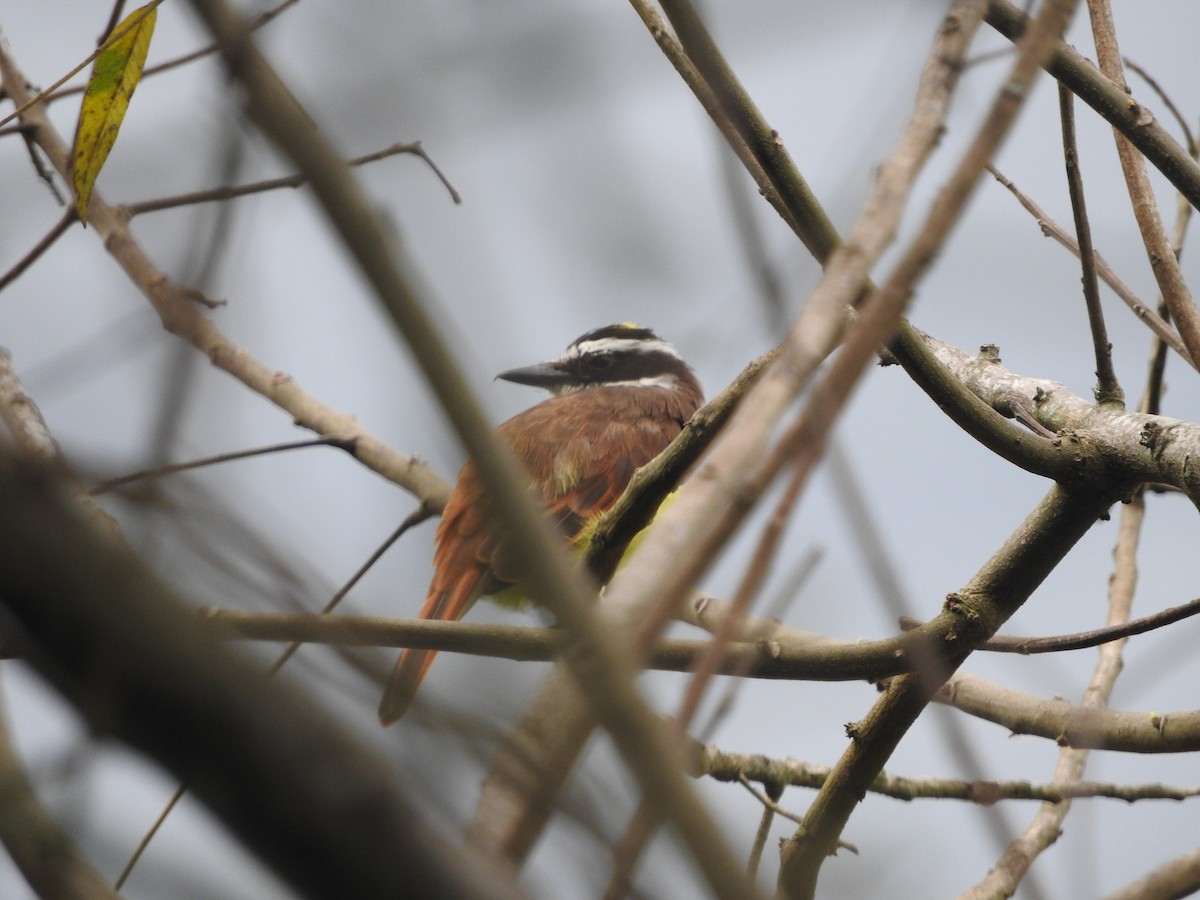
(592, 193)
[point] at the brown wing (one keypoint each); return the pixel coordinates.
(580, 450)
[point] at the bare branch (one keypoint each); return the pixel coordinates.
(1070, 725)
(818, 837)
(1084, 639)
(37, 844)
(1156, 323)
(1046, 826)
(108, 635)
(215, 195)
(601, 663)
(113, 484)
(175, 306)
(1140, 446)
(1163, 261)
(774, 773)
(762, 649)
(1180, 120)
(60, 228)
(1108, 390)
(1179, 877)
(1111, 101)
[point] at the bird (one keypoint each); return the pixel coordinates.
(620, 395)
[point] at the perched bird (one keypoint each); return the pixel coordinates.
(621, 395)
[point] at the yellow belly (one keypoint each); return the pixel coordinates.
(514, 596)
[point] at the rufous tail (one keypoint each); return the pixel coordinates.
(413, 664)
(402, 686)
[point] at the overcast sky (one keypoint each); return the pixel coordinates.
(594, 191)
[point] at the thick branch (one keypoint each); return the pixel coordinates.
(1179, 877)
(1043, 830)
(107, 634)
(971, 615)
(1070, 725)
(37, 844)
(1138, 446)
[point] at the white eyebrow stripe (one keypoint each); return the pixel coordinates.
(662, 381)
(618, 345)
(669, 382)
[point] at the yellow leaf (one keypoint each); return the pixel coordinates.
(115, 74)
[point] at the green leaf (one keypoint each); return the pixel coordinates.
(115, 74)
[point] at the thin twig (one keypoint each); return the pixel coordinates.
(773, 773)
(1156, 323)
(417, 516)
(1152, 401)
(1084, 639)
(767, 802)
(287, 181)
(159, 471)
(60, 228)
(217, 195)
(131, 863)
(765, 821)
(44, 172)
(765, 650)
(773, 806)
(1108, 389)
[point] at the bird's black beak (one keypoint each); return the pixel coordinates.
(548, 375)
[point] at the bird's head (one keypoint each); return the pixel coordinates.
(625, 355)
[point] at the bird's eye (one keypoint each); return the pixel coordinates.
(601, 362)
